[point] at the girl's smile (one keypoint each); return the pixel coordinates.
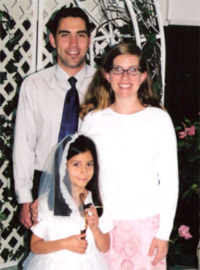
(80, 169)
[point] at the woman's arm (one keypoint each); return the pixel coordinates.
(161, 247)
(102, 240)
(167, 164)
(73, 243)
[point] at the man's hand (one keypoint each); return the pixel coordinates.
(34, 211)
(25, 215)
(161, 247)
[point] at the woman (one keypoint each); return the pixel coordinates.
(136, 144)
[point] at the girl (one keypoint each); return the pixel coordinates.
(73, 231)
(136, 146)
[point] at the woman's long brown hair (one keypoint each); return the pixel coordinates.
(100, 95)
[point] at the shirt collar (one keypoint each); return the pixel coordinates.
(80, 76)
(62, 76)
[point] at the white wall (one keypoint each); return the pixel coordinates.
(180, 12)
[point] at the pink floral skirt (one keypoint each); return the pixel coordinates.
(130, 243)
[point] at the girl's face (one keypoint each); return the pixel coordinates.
(80, 169)
(125, 85)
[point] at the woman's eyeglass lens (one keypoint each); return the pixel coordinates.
(117, 70)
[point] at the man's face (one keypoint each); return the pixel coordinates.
(72, 43)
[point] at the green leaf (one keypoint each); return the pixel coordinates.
(3, 77)
(11, 67)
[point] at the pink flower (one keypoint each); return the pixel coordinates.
(191, 130)
(184, 232)
(188, 131)
(182, 134)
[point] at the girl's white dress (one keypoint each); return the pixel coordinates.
(52, 228)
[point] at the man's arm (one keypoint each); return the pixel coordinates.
(23, 153)
(25, 215)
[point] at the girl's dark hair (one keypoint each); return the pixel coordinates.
(80, 145)
(65, 12)
(100, 95)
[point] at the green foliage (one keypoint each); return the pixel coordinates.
(150, 47)
(3, 77)
(2, 218)
(6, 133)
(6, 22)
(189, 146)
(188, 204)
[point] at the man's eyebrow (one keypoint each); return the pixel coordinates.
(67, 32)
(63, 31)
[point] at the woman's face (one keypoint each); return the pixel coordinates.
(125, 85)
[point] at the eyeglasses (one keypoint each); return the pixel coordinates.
(117, 70)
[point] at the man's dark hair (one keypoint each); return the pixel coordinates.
(65, 12)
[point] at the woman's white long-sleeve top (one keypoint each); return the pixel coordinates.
(138, 163)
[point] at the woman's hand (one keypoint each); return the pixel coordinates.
(161, 247)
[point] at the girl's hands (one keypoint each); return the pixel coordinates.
(92, 218)
(102, 240)
(75, 243)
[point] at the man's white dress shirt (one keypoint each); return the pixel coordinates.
(38, 120)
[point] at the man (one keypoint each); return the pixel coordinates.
(41, 102)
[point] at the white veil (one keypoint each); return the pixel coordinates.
(55, 188)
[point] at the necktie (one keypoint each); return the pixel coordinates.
(70, 115)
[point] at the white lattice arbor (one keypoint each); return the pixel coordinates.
(117, 20)
(22, 57)
(114, 21)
